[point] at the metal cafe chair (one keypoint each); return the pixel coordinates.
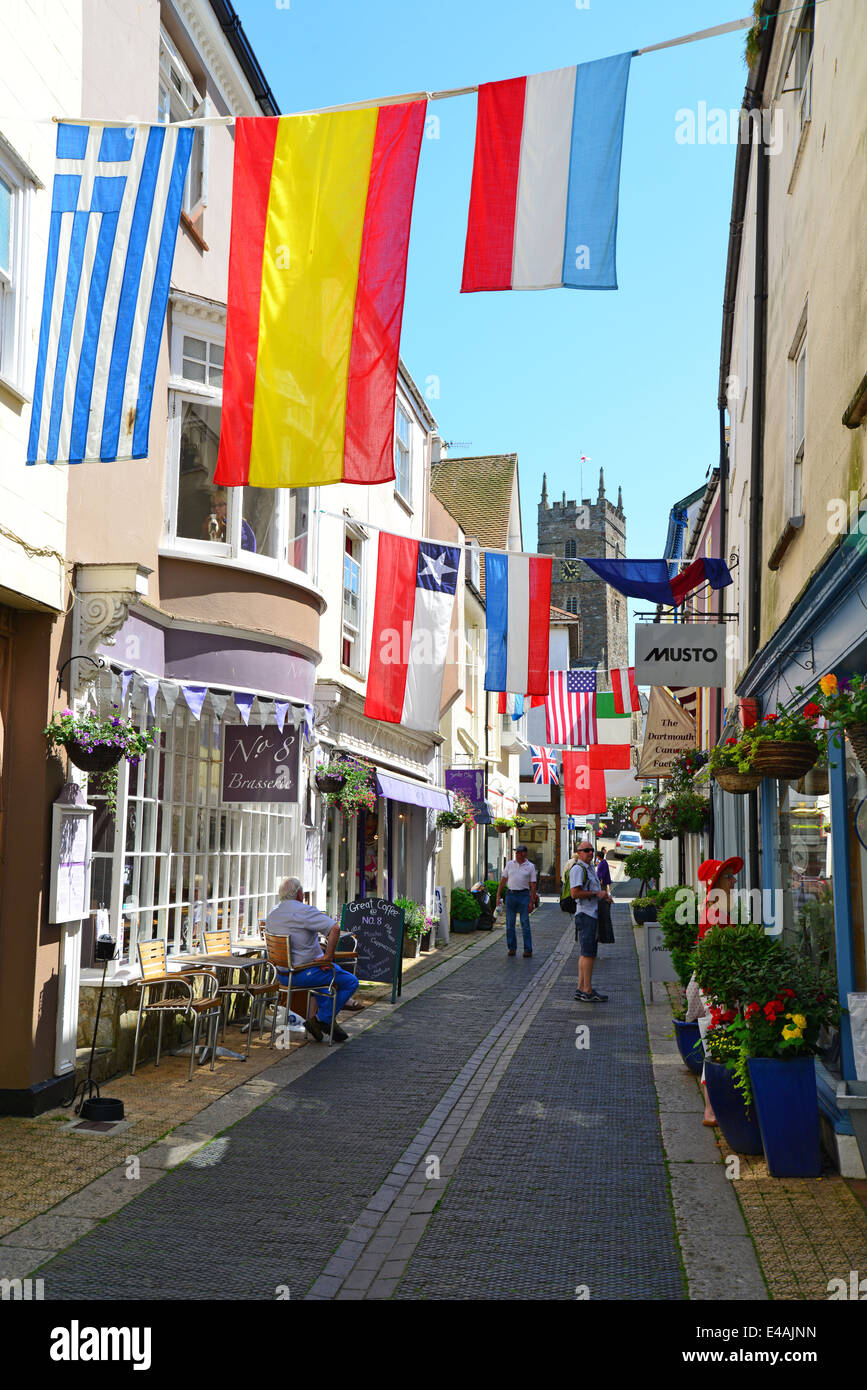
(280, 956)
(259, 985)
(154, 973)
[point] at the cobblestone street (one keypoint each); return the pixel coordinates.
(464, 1147)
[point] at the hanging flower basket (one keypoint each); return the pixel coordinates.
(329, 781)
(462, 814)
(449, 820)
(503, 824)
(773, 757)
(93, 759)
(737, 783)
(857, 736)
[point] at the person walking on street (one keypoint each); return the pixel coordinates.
(588, 894)
(519, 882)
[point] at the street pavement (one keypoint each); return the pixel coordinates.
(489, 1139)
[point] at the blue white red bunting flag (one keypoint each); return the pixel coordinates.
(544, 765)
(416, 583)
(517, 619)
(511, 704)
(115, 207)
(649, 579)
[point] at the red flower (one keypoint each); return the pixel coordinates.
(789, 993)
(731, 742)
(729, 1016)
(812, 710)
(769, 718)
(751, 1010)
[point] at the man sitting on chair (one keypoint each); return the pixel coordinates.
(302, 923)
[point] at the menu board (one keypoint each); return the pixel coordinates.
(378, 926)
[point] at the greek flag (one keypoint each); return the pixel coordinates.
(115, 207)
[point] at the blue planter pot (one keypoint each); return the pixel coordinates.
(689, 1045)
(739, 1125)
(788, 1113)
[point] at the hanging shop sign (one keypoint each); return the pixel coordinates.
(680, 654)
(668, 730)
(261, 765)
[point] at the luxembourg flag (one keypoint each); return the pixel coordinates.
(517, 614)
(546, 178)
(415, 595)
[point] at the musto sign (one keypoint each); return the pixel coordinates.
(260, 764)
(680, 654)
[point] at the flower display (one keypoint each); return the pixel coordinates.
(358, 791)
(461, 814)
(89, 734)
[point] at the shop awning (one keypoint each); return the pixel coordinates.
(412, 793)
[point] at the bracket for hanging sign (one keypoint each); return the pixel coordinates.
(95, 661)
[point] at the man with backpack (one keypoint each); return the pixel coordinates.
(588, 893)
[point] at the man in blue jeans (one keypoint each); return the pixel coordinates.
(302, 923)
(519, 881)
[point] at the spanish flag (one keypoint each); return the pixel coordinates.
(321, 211)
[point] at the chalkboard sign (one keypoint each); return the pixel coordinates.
(378, 926)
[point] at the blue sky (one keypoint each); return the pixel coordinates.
(628, 377)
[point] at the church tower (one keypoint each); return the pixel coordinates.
(568, 531)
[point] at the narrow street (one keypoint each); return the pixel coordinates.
(551, 1173)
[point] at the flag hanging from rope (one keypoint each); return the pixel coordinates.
(546, 176)
(115, 206)
(583, 786)
(510, 704)
(570, 712)
(321, 209)
(517, 613)
(649, 579)
(415, 594)
(624, 690)
(544, 765)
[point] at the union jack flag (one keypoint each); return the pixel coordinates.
(544, 765)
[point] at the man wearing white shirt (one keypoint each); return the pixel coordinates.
(302, 923)
(519, 881)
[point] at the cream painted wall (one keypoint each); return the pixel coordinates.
(40, 77)
(817, 261)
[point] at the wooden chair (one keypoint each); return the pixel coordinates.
(259, 985)
(154, 972)
(280, 956)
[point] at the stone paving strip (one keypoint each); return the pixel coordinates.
(29, 1244)
(372, 1259)
(718, 1253)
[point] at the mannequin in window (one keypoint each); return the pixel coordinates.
(214, 525)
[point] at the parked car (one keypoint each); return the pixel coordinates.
(626, 842)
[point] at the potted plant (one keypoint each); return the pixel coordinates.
(465, 911)
(731, 1103)
(783, 745)
(844, 704)
(357, 790)
(725, 768)
(644, 864)
(97, 745)
(786, 1003)
(503, 824)
(677, 915)
(644, 909)
(461, 814)
(661, 826)
(330, 776)
(687, 811)
(430, 924)
(413, 925)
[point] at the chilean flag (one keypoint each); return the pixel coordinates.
(517, 614)
(546, 177)
(649, 579)
(415, 596)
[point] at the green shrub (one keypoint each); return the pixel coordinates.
(493, 887)
(464, 906)
(413, 918)
(679, 936)
(644, 864)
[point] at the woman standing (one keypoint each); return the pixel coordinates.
(719, 875)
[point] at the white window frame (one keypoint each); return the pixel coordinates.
(798, 78)
(349, 633)
(14, 277)
(179, 100)
(403, 454)
(797, 423)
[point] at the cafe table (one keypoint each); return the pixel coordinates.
(214, 962)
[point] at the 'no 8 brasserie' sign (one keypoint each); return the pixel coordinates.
(260, 764)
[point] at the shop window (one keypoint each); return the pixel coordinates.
(402, 454)
(178, 860)
(178, 100)
(805, 869)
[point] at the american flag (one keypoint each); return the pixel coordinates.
(544, 765)
(570, 709)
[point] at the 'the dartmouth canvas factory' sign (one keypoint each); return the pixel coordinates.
(260, 764)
